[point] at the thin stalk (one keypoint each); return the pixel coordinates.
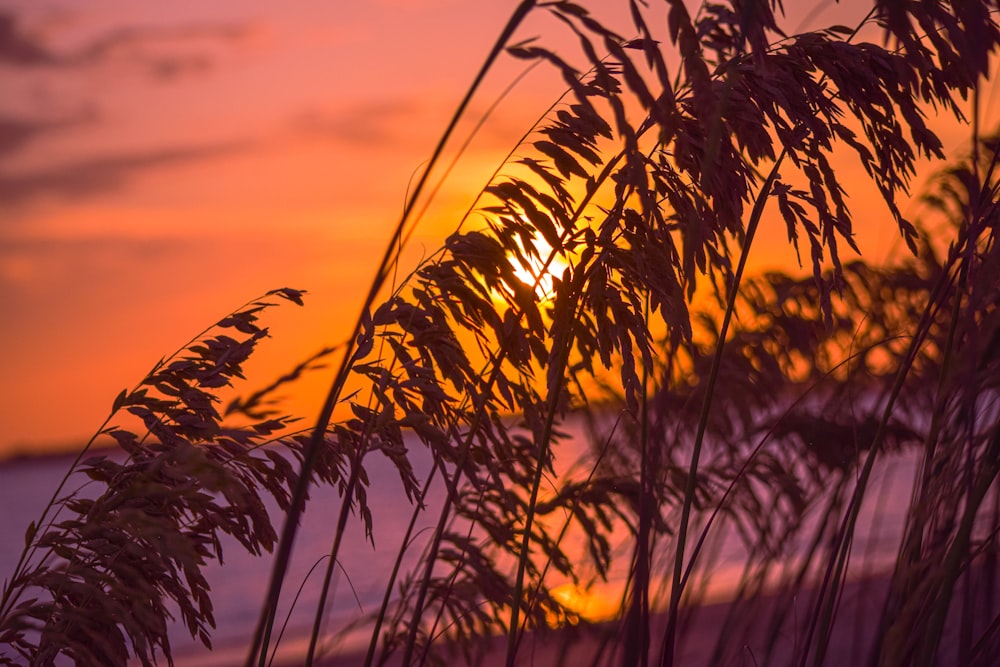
(345, 510)
(967, 598)
(432, 632)
(667, 657)
(12, 594)
(913, 529)
(261, 638)
(380, 618)
(910, 550)
(956, 558)
(569, 518)
(452, 486)
(974, 495)
(298, 594)
(834, 570)
(637, 623)
(463, 452)
(564, 347)
(396, 567)
(548, 562)
(345, 507)
(543, 441)
(832, 508)
(916, 518)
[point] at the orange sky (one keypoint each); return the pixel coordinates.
(162, 163)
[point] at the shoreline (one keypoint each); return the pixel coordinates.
(700, 627)
(747, 628)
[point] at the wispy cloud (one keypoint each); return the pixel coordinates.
(17, 132)
(29, 260)
(18, 47)
(374, 124)
(163, 52)
(103, 173)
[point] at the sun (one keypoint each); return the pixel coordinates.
(591, 604)
(531, 269)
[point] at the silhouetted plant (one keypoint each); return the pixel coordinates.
(104, 564)
(646, 183)
(637, 207)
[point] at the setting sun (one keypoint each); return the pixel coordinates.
(592, 605)
(540, 270)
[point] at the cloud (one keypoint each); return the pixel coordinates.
(17, 132)
(372, 124)
(163, 52)
(17, 47)
(29, 260)
(101, 174)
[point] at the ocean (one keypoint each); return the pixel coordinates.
(238, 585)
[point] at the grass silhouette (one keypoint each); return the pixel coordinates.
(646, 183)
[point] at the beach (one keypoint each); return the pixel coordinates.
(751, 637)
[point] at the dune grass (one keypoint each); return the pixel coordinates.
(768, 413)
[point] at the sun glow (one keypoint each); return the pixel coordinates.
(541, 270)
(587, 604)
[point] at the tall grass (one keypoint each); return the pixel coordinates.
(768, 414)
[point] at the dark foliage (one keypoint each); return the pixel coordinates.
(109, 562)
(645, 186)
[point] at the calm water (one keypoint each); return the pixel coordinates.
(238, 586)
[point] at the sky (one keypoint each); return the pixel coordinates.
(163, 163)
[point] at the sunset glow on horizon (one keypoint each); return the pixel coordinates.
(160, 165)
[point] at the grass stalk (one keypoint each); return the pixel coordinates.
(835, 571)
(397, 565)
(467, 441)
(669, 637)
(261, 637)
(555, 371)
(637, 622)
